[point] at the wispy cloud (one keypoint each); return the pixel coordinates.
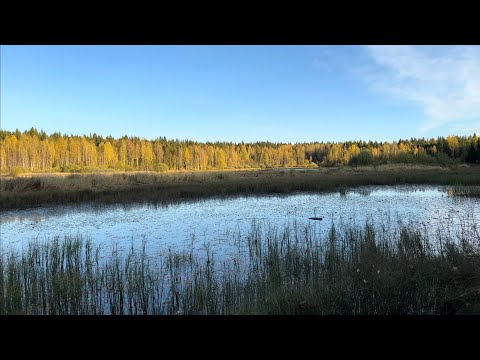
(466, 128)
(443, 80)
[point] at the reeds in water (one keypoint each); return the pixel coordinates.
(353, 270)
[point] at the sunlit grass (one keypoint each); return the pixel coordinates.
(153, 187)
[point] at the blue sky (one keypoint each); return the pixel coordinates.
(243, 93)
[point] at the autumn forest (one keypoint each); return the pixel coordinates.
(36, 151)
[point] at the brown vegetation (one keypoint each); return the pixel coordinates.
(27, 190)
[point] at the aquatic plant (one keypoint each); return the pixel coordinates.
(353, 270)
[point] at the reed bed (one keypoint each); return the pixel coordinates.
(38, 190)
(353, 270)
(464, 191)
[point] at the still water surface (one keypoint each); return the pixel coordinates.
(215, 222)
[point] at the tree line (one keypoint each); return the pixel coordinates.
(35, 150)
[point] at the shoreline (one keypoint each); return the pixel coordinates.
(33, 190)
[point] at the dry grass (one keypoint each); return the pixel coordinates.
(27, 190)
(465, 191)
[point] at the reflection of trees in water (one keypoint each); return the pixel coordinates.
(47, 212)
(36, 215)
(419, 188)
(364, 192)
(399, 189)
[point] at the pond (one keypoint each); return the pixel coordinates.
(214, 223)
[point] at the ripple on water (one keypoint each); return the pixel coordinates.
(213, 222)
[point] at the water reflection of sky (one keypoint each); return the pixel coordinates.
(213, 222)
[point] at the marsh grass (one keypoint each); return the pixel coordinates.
(464, 191)
(23, 191)
(352, 270)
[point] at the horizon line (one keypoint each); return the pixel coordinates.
(164, 138)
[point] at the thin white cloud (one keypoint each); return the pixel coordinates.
(443, 80)
(467, 128)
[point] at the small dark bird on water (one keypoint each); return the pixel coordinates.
(316, 218)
